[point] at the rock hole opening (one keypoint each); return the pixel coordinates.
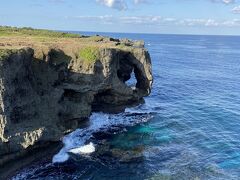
(132, 82)
(126, 72)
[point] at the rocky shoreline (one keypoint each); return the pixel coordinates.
(29, 157)
(48, 90)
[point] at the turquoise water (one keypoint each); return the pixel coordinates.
(188, 128)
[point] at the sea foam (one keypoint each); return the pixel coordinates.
(75, 141)
(86, 149)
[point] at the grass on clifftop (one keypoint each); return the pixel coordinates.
(5, 53)
(43, 42)
(13, 31)
(89, 54)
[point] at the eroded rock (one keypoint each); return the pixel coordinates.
(45, 94)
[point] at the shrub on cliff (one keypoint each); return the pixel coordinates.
(89, 54)
(8, 31)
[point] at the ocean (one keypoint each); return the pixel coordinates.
(188, 128)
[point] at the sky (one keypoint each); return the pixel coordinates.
(131, 16)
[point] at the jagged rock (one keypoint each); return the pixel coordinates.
(127, 42)
(47, 93)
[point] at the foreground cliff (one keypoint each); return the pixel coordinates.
(50, 83)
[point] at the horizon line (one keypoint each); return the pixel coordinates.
(153, 33)
(117, 32)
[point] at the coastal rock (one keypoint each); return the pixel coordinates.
(47, 93)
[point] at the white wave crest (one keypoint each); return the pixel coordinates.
(86, 149)
(75, 141)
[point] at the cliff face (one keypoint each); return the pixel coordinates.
(46, 93)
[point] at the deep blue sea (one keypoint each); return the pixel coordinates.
(188, 128)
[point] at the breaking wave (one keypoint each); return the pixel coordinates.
(75, 141)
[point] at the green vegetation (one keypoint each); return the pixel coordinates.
(4, 53)
(13, 31)
(89, 54)
(96, 38)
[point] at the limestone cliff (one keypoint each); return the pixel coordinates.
(47, 91)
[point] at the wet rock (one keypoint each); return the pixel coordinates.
(119, 155)
(126, 156)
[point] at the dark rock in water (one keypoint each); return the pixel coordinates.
(127, 156)
(106, 133)
(102, 135)
(118, 155)
(44, 97)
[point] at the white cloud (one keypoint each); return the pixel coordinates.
(225, 1)
(140, 19)
(140, 1)
(120, 4)
(236, 10)
(228, 1)
(199, 22)
(159, 21)
(106, 19)
(116, 4)
(123, 4)
(232, 23)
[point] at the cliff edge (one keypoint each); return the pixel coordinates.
(50, 82)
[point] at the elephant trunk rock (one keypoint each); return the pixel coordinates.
(46, 93)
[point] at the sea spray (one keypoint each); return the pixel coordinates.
(75, 141)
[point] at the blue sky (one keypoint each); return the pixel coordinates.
(140, 16)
